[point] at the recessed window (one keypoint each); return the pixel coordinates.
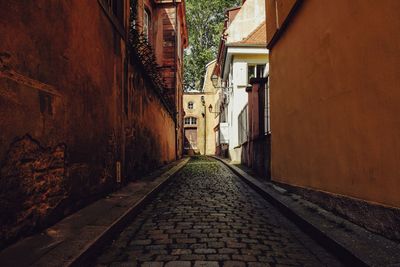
(190, 105)
(190, 121)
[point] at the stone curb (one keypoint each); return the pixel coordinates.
(83, 238)
(350, 243)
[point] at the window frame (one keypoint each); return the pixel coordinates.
(257, 73)
(146, 23)
(190, 121)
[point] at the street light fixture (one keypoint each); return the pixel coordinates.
(210, 108)
(215, 79)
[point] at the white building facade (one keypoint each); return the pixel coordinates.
(243, 55)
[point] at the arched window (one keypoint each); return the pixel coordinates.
(190, 105)
(190, 121)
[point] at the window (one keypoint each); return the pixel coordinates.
(178, 46)
(146, 24)
(190, 105)
(251, 72)
(267, 115)
(255, 71)
(243, 125)
(190, 121)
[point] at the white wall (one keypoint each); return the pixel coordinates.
(239, 96)
(250, 16)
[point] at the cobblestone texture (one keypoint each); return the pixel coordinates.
(207, 217)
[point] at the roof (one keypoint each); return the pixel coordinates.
(211, 62)
(256, 37)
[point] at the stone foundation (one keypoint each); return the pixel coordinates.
(376, 218)
(32, 186)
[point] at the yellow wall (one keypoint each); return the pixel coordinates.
(335, 99)
(211, 119)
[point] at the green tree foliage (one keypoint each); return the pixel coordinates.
(205, 19)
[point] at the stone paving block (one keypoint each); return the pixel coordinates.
(236, 245)
(192, 257)
(158, 236)
(205, 251)
(206, 264)
(244, 257)
(228, 251)
(181, 251)
(124, 264)
(258, 264)
(186, 240)
(163, 241)
(198, 245)
(234, 264)
(178, 264)
(166, 258)
(152, 264)
(141, 242)
(180, 245)
(218, 257)
(216, 244)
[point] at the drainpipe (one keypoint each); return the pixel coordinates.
(203, 102)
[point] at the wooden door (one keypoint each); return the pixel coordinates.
(191, 138)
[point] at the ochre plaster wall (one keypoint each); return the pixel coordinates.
(149, 128)
(211, 120)
(335, 97)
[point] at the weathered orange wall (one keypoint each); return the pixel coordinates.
(149, 128)
(64, 118)
(165, 16)
(335, 81)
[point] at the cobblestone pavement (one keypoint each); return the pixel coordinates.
(207, 217)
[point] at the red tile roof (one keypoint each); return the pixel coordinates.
(257, 37)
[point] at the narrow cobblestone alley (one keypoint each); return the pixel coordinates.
(207, 217)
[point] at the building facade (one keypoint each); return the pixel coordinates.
(242, 55)
(201, 117)
(334, 82)
(80, 110)
(257, 150)
(163, 22)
